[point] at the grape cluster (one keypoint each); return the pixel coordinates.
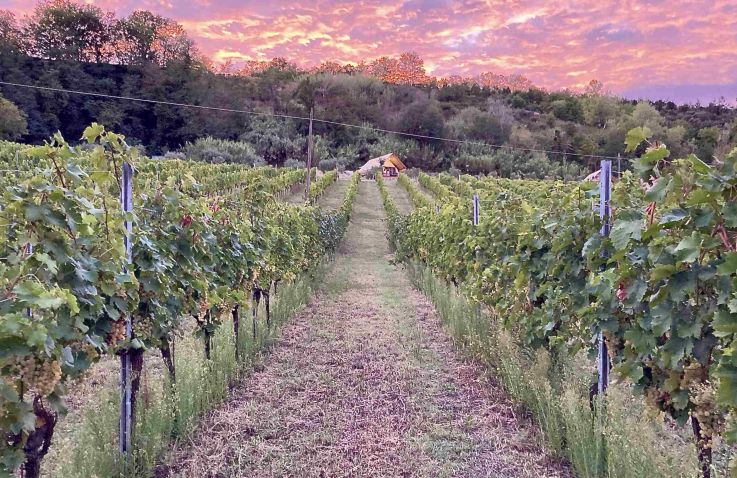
(203, 306)
(706, 411)
(117, 333)
(693, 374)
(655, 398)
(91, 351)
(611, 344)
(41, 376)
(143, 327)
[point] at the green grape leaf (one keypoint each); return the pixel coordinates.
(35, 295)
(624, 231)
(47, 261)
(698, 165)
(729, 264)
(729, 212)
(659, 190)
(662, 271)
(92, 132)
(725, 323)
(673, 216)
(689, 248)
(635, 137)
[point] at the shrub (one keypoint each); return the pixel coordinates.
(294, 163)
(211, 150)
(328, 164)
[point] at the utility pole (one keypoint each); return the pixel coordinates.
(309, 160)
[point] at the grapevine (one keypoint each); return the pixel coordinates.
(663, 293)
(204, 237)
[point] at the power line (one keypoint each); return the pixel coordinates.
(301, 118)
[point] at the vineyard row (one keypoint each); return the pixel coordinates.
(207, 242)
(661, 288)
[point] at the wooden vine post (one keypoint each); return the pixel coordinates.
(237, 331)
(309, 160)
(255, 304)
(126, 372)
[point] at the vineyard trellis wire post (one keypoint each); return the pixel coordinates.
(476, 210)
(126, 379)
(29, 251)
(605, 194)
(236, 331)
(619, 165)
(256, 299)
(309, 160)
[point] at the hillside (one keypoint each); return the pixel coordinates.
(557, 133)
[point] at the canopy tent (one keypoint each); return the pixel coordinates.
(390, 164)
(370, 165)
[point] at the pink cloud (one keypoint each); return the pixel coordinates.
(628, 45)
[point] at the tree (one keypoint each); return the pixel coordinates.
(408, 70)
(10, 34)
(599, 110)
(568, 109)
(594, 88)
(674, 140)
(476, 125)
(497, 81)
(424, 118)
(307, 91)
(64, 30)
(706, 142)
(275, 140)
(145, 38)
(13, 123)
(645, 114)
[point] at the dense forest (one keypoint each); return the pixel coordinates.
(69, 45)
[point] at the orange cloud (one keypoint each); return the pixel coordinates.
(556, 44)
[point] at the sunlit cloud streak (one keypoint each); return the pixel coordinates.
(688, 49)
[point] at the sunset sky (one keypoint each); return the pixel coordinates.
(671, 49)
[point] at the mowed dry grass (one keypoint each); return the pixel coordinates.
(333, 197)
(399, 194)
(365, 383)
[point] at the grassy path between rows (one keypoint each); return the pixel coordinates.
(400, 195)
(332, 198)
(365, 383)
(334, 195)
(423, 189)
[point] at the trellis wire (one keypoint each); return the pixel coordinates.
(303, 118)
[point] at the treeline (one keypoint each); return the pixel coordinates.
(67, 45)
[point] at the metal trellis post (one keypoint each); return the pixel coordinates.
(475, 209)
(126, 412)
(605, 194)
(29, 249)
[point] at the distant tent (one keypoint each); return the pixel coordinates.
(390, 165)
(593, 176)
(370, 165)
